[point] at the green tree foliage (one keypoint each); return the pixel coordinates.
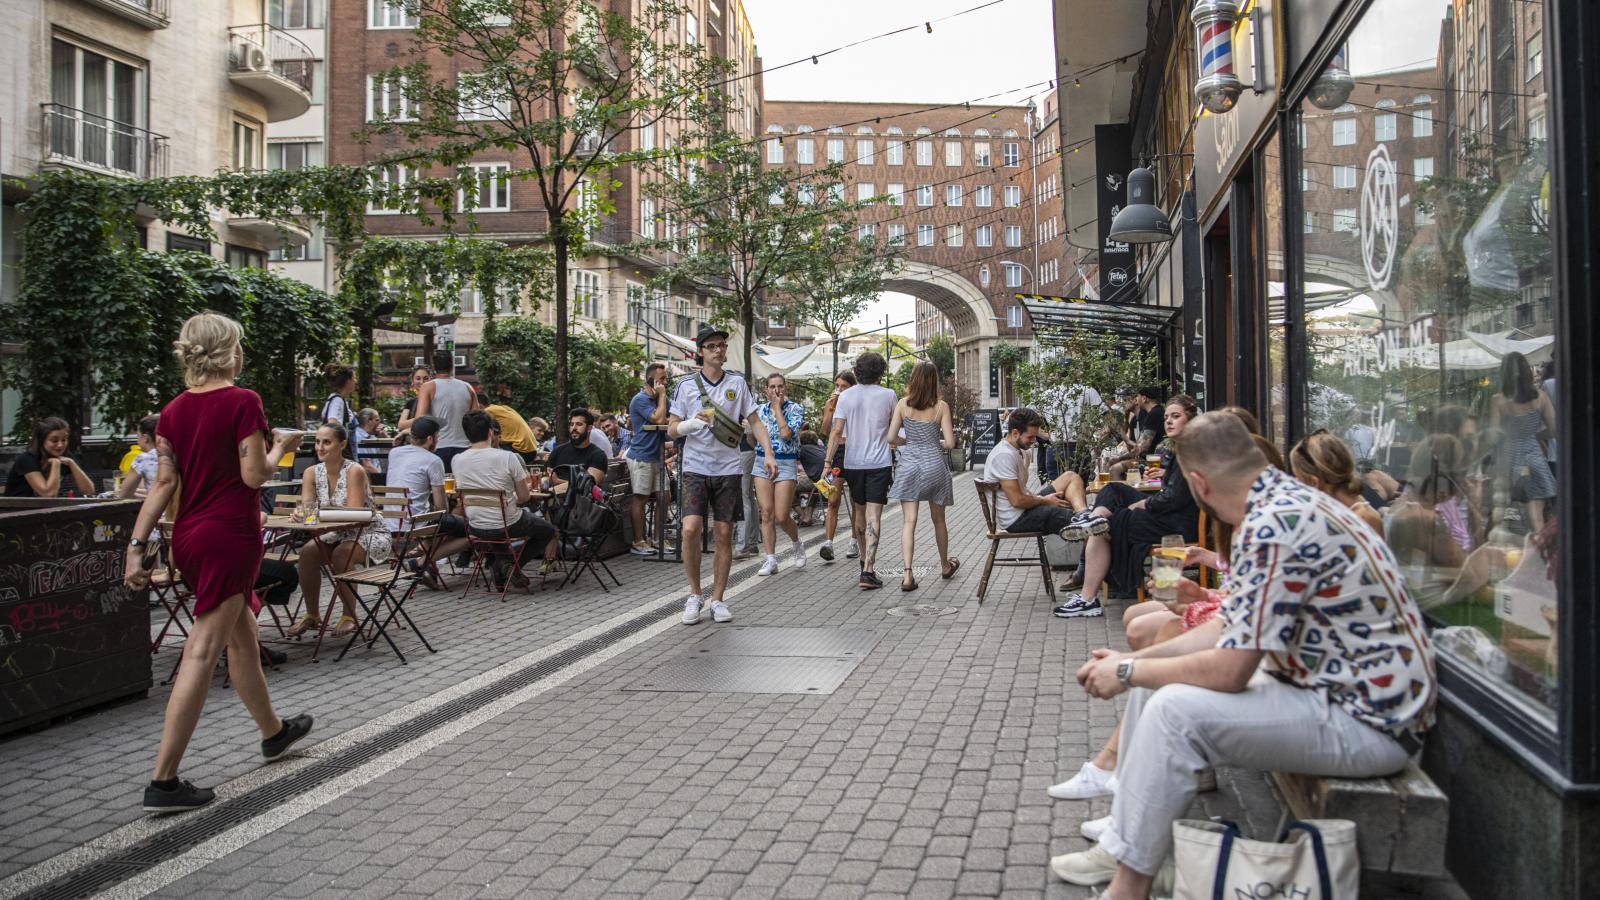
(843, 273)
(556, 81)
(1087, 359)
(941, 351)
(516, 360)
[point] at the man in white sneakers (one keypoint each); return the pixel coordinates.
(707, 410)
(861, 423)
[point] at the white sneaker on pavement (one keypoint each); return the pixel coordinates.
(799, 554)
(691, 610)
(770, 567)
(852, 550)
(1090, 782)
(720, 612)
(1086, 867)
(1093, 828)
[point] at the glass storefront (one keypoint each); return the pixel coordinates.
(1427, 275)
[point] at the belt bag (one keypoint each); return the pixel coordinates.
(724, 428)
(1313, 860)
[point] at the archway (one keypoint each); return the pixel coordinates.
(970, 311)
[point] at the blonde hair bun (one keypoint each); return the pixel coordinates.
(208, 346)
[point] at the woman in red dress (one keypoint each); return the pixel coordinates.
(212, 452)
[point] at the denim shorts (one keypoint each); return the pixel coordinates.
(786, 468)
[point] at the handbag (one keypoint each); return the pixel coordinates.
(724, 428)
(1313, 860)
(579, 514)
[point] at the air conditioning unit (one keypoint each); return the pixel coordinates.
(460, 360)
(255, 59)
(418, 361)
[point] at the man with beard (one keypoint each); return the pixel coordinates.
(577, 451)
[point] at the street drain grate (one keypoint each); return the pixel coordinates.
(199, 826)
(711, 674)
(921, 609)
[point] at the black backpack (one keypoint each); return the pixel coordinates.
(579, 514)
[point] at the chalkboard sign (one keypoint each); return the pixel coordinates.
(985, 424)
(71, 636)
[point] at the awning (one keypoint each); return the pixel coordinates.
(1136, 325)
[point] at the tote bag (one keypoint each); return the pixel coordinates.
(1312, 860)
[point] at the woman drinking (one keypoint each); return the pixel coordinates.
(782, 418)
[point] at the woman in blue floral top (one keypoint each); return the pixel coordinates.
(782, 418)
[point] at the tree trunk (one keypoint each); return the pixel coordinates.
(558, 236)
(834, 343)
(747, 311)
(364, 359)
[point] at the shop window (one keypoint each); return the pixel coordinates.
(1412, 359)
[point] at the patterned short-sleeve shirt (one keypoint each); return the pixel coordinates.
(1321, 594)
(794, 415)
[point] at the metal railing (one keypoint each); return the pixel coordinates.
(267, 48)
(138, 10)
(93, 141)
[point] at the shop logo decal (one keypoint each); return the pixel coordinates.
(1117, 277)
(1113, 182)
(1380, 218)
(729, 393)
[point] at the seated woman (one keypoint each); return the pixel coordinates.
(1325, 462)
(1117, 557)
(1432, 524)
(337, 481)
(45, 469)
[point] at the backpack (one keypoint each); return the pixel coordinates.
(580, 515)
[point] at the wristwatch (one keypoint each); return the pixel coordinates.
(1125, 672)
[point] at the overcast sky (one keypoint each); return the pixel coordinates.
(990, 51)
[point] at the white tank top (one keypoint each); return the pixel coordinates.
(452, 399)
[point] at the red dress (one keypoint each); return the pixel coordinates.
(216, 541)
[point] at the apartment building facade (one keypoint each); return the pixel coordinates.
(139, 89)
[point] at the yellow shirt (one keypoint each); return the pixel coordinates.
(514, 432)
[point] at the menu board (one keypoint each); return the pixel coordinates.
(985, 424)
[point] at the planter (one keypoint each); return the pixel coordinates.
(1062, 554)
(71, 636)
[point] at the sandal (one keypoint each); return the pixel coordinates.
(346, 627)
(307, 622)
(948, 570)
(904, 586)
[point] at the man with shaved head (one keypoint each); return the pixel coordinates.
(1318, 662)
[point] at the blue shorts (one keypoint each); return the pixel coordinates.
(786, 468)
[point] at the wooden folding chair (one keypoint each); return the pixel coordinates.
(485, 550)
(987, 491)
(394, 504)
(394, 583)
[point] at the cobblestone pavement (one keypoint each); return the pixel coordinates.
(923, 775)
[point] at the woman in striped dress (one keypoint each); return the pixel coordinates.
(921, 471)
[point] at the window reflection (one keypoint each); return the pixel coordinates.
(1428, 279)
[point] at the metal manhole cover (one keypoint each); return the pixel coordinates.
(709, 674)
(921, 609)
(758, 640)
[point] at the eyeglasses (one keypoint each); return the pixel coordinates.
(716, 346)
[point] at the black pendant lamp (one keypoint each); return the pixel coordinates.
(1141, 221)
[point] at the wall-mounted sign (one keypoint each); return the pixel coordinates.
(1113, 158)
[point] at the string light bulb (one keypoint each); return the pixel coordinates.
(929, 26)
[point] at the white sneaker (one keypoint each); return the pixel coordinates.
(691, 610)
(853, 550)
(1090, 782)
(720, 612)
(770, 567)
(799, 554)
(1086, 867)
(1093, 828)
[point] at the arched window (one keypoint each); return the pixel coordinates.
(924, 130)
(983, 274)
(1011, 132)
(894, 129)
(804, 129)
(865, 129)
(835, 130)
(952, 132)
(981, 132)
(774, 129)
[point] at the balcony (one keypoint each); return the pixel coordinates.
(271, 234)
(83, 140)
(151, 14)
(274, 64)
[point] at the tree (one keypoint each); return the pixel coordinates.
(941, 351)
(561, 81)
(843, 274)
(1054, 385)
(515, 361)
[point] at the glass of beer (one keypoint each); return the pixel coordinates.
(449, 483)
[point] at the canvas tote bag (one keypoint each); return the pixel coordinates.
(1311, 860)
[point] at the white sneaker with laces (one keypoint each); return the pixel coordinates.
(1090, 782)
(720, 612)
(770, 567)
(691, 609)
(1086, 867)
(853, 550)
(799, 554)
(1093, 828)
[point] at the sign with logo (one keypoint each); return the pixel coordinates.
(985, 425)
(1222, 142)
(1380, 218)
(1113, 158)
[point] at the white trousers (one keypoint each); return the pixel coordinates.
(1171, 735)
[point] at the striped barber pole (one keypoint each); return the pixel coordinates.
(1216, 49)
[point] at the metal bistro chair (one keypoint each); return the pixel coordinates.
(589, 545)
(485, 550)
(987, 491)
(394, 582)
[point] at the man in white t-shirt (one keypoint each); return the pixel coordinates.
(484, 466)
(415, 467)
(861, 422)
(712, 473)
(1057, 507)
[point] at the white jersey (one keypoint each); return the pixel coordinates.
(703, 454)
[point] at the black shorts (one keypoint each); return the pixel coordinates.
(720, 495)
(838, 458)
(869, 485)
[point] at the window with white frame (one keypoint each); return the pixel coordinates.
(1013, 235)
(389, 14)
(980, 154)
(1011, 154)
(836, 193)
(954, 235)
(924, 195)
(952, 195)
(805, 151)
(647, 218)
(1344, 132)
(1344, 220)
(895, 151)
(386, 98)
(295, 13)
(586, 293)
(492, 186)
(1385, 125)
(1535, 49)
(691, 28)
(897, 194)
(897, 234)
(1422, 168)
(481, 98)
(1422, 116)
(1014, 313)
(1344, 177)
(865, 191)
(924, 153)
(1013, 278)
(983, 274)
(866, 231)
(984, 237)
(983, 195)
(802, 194)
(835, 150)
(1311, 222)
(1305, 179)
(775, 145)
(1537, 130)
(647, 137)
(924, 235)
(388, 188)
(246, 146)
(866, 148)
(952, 153)
(1013, 195)
(505, 300)
(293, 155)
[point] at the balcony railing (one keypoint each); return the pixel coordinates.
(149, 13)
(86, 140)
(267, 48)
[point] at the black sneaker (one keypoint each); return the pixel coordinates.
(176, 799)
(294, 729)
(1078, 607)
(870, 581)
(826, 552)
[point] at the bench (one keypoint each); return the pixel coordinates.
(1400, 820)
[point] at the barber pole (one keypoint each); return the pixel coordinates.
(1217, 87)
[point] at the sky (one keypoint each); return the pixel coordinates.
(991, 51)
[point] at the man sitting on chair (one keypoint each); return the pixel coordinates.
(1055, 508)
(482, 466)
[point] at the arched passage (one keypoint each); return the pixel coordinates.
(970, 311)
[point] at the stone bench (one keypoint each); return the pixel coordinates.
(1400, 820)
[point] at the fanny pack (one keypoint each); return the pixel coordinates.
(725, 428)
